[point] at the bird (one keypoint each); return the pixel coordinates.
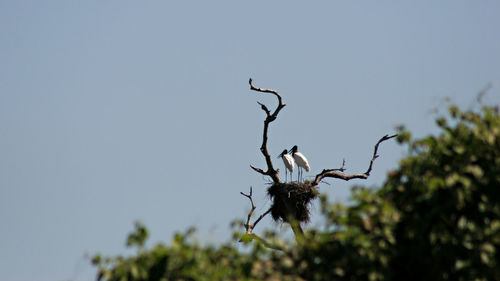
(301, 161)
(289, 163)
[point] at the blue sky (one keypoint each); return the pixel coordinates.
(117, 111)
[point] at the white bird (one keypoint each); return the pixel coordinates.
(289, 163)
(301, 160)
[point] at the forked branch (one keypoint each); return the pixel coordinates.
(270, 117)
(338, 173)
(249, 226)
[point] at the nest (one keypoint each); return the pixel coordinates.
(291, 201)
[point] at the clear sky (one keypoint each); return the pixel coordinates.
(117, 111)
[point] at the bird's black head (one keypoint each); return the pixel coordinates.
(294, 149)
(283, 153)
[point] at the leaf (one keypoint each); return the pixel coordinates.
(247, 238)
(96, 259)
(475, 170)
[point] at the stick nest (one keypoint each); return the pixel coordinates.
(291, 201)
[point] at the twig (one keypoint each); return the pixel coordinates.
(338, 173)
(270, 117)
(342, 168)
(483, 92)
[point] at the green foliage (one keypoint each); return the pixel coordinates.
(183, 259)
(447, 193)
(139, 236)
(437, 217)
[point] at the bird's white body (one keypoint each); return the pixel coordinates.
(289, 162)
(301, 161)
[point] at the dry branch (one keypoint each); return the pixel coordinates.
(249, 226)
(338, 173)
(270, 117)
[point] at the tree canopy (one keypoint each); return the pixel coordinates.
(436, 217)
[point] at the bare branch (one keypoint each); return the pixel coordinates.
(252, 87)
(258, 170)
(375, 155)
(261, 217)
(249, 226)
(274, 174)
(338, 173)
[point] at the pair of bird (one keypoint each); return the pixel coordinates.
(290, 160)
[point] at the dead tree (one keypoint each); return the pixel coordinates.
(291, 201)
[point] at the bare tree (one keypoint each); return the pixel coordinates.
(291, 200)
